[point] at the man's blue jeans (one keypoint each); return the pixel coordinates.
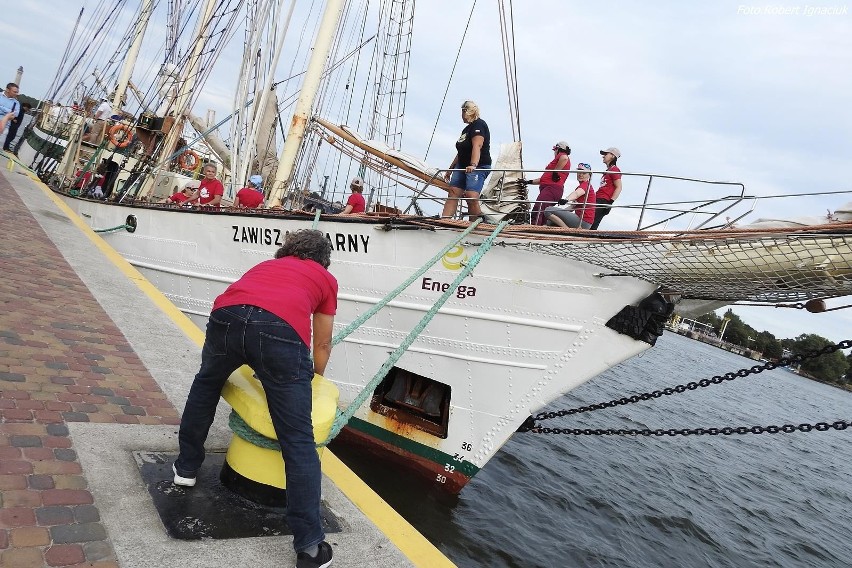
(248, 335)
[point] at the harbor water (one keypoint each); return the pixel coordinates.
(719, 501)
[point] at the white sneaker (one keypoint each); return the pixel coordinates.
(183, 481)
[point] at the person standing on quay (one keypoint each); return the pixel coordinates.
(266, 320)
(9, 106)
(610, 187)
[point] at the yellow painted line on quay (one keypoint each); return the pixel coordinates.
(413, 545)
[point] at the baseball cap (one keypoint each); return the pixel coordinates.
(256, 180)
(562, 145)
(357, 182)
(614, 151)
(584, 166)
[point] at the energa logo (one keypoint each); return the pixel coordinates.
(455, 258)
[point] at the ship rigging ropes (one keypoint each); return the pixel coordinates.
(532, 423)
(758, 265)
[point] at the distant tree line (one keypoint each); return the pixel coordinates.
(833, 368)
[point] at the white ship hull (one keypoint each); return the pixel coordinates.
(520, 331)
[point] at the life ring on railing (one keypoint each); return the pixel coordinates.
(189, 160)
(126, 136)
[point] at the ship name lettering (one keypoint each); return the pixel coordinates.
(347, 242)
(462, 292)
(268, 236)
(257, 235)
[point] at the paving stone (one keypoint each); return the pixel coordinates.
(29, 536)
(16, 517)
(10, 453)
(20, 498)
(65, 454)
(66, 497)
(98, 550)
(103, 391)
(49, 516)
(120, 400)
(12, 377)
(22, 558)
(57, 430)
(85, 532)
(15, 467)
(86, 514)
(75, 416)
(26, 441)
(40, 482)
(134, 410)
(64, 555)
(13, 482)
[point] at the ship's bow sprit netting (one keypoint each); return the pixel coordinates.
(760, 267)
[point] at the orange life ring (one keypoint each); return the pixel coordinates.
(189, 160)
(126, 136)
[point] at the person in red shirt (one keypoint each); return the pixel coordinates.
(265, 320)
(250, 196)
(578, 209)
(355, 203)
(181, 196)
(551, 183)
(610, 187)
(210, 191)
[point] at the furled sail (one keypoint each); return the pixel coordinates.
(504, 195)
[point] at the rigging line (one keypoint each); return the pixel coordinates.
(64, 58)
(331, 160)
(75, 62)
(508, 42)
(515, 69)
(449, 81)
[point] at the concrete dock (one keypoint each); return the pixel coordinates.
(95, 365)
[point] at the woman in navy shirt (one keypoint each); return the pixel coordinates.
(473, 158)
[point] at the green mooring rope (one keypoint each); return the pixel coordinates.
(343, 417)
(316, 219)
(396, 292)
(111, 229)
(249, 434)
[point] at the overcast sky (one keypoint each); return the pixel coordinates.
(757, 93)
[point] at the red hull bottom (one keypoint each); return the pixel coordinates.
(436, 473)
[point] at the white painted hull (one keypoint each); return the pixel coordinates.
(522, 330)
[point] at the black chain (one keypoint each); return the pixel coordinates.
(531, 426)
(726, 431)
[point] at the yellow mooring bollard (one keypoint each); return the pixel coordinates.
(253, 467)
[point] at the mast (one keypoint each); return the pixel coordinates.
(313, 74)
(130, 62)
(190, 78)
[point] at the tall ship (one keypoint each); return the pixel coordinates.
(450, 333)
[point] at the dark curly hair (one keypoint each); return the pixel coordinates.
(307, 244)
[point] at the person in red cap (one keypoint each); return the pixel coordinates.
(551, 183)
(610, 187)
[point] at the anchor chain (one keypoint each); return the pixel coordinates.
(530, 425)
(726, 431)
